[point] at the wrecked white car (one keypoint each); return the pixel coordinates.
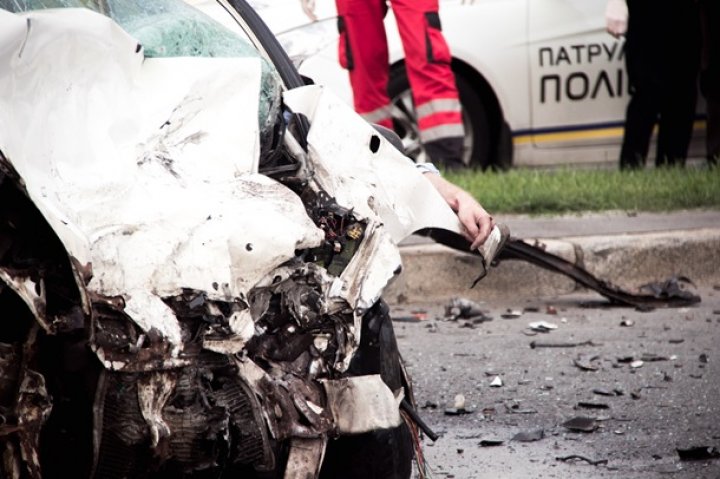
(193, 248)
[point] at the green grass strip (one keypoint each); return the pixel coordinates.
(566, 190)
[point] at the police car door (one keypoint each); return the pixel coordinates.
(579, 87)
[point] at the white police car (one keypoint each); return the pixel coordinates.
(541, 81)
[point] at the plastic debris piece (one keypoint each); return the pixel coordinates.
(636, 364)
(462, 308)
(581, 424)
(496, 383)
(516, 409)
(542, 326)
(491, 443)
(585, 362)
(511, 314)
(451, 411)
(627, 323)
(544, 344)
(573, 457)
(698, 453)
(529, 436)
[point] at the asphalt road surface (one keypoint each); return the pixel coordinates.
(644, 383)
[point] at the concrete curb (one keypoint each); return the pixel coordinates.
(433, 272)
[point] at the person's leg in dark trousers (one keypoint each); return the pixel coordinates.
(679, 90)
(710, 77)
(643, 59)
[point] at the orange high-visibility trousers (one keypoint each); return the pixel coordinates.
(363, 51)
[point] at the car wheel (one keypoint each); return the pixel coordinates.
(477, 146)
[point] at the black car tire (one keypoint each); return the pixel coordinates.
(478, 138)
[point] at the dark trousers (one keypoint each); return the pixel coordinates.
(710, 76)
(662, 51)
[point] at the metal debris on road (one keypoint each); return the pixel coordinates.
(544, 344)
(542, 326)
(573, 457)
(491, 443)
(529, 436)
(592, 405)
(462, 308)
(586, 362)
(458, 408)
(581, 424)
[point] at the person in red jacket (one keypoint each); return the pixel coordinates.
(363, 52)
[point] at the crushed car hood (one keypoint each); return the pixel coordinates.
(147, 167)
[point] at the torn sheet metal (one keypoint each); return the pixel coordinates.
(374, 179)
(124, 142)
(363, 403)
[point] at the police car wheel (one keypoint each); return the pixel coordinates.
(477, 141)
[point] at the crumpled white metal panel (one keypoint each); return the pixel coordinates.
(144, 167)
(382, 184)
(355, 164)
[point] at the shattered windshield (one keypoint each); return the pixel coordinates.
(172, 28)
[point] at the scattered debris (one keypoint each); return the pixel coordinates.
(627, 323)
(543, 344)
(511, 314)
(529, 436)
(550, 309)
(673, 288)
(429, 405)
(515, 409)
(491, 443)
(462, 308)
(496, 383)
(650, 357)
(592, 405)
(670, 293)
(698, 453)
(451, 411)
(603, 392)
(573, 457)
(676, 341)
(542, 326)
(581, 424)
(703, 358)
(458, 408)
(636, 364)
(586, 362)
